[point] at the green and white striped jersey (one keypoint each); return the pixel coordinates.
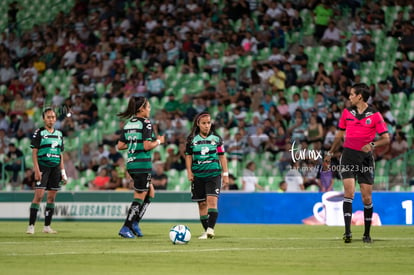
(49, 145)
(135, 132)
(205, 153)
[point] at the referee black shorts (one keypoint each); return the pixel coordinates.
(358, 165)
(203, 187)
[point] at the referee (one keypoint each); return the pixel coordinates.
(358, 125)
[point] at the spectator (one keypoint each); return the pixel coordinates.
(294, 178)
(314, 130)
(28, 181)
(112, 139)
(398, 146)
(85, 158)
(353, 48)
(250, 181)
(89, 113)
(87, 87)
(7, 73)
(155, 86)
(176, 158)
(368, 49)
(114, 155)
(306, 103)
(331, 36)
(277, 80)
(13, 125)
(357, 28)
(115, 181)
(57, 99)
(282, 187)
(172, 105)
(325, 178)
(291, 75)
(158, 178)
(71, 171)
(396, 81)
(237, 147)
(14, 162)
(323, 13)
(310, 173)
(383, 94)
(304, 77)
(101, 180)
(232, 183)
(257, 141)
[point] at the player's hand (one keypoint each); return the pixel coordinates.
(190, 176)
(225, 180)
(64, 177)
(162, 139)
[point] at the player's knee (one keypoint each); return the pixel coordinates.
(367, 200)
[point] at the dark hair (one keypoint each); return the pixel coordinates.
(362, 89)
(135, 103)
(195, 130)
(47, 109)
(249, 164)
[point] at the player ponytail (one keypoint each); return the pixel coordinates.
(134, 105)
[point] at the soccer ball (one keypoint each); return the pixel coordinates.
(180, 234)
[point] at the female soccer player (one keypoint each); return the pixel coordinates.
(358, 125)
(49, 171)
(205, 161)
(137, 136)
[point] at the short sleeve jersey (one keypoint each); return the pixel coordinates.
(361, 129)
(205, 153)
(135, 132)
(49, 145)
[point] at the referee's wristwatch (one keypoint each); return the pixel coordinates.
(372, 145)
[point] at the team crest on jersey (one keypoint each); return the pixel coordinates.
(55, 144)
(368, 121)
(204, 150)
(149, 126)
(213, 142)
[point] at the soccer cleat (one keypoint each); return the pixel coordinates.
(30, 230)
(136, 229)
(366, 239)
(125, 232)
(347, 238)
(49, 230)
(203, 236)
(210, 233)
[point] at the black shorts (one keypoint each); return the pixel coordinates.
(50, 179)
(203, 187)
(358, 165)
(141, 181)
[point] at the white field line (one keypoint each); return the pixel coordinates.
(109, 239)
(208, 250)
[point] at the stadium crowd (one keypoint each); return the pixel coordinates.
(273, 74)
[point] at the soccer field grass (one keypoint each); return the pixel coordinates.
(95, 248)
